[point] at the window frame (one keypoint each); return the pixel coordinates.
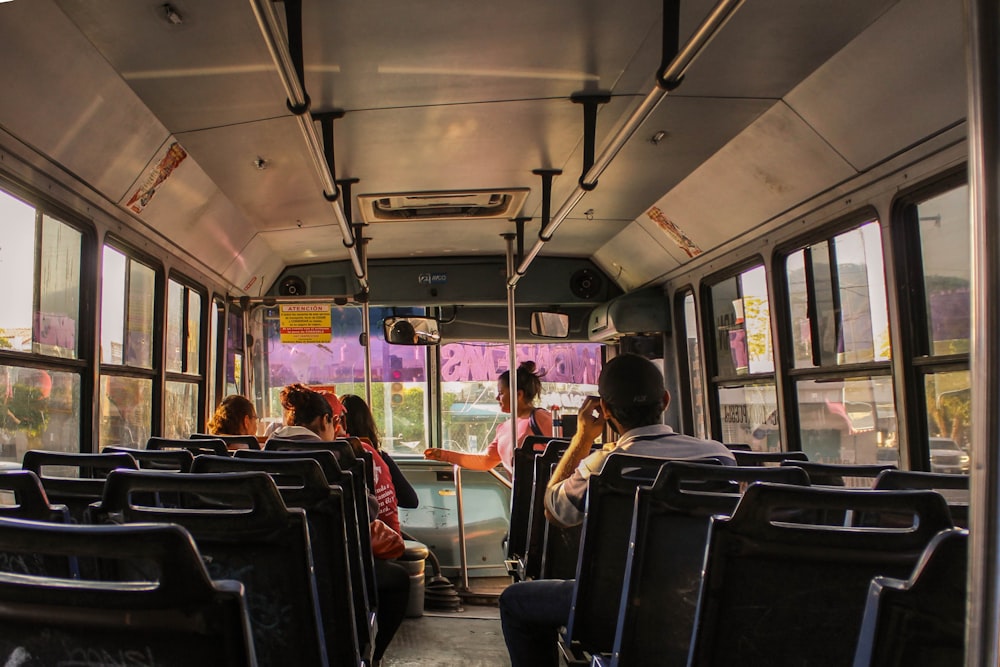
(689, 421)
(714, 381)
(186, 375)
(84, 363)
(154, 374)
(915, 356)
(785, 355)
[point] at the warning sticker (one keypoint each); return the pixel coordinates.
(305, 323)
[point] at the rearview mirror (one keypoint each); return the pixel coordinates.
(550, 325)
(411, 330)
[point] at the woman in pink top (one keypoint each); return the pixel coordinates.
(531, 420)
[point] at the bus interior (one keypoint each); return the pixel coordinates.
(788, 206)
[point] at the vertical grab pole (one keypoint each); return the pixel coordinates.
(463, 557)
(512, 335)
(982, 58)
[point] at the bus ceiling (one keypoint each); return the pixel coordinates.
(186, 124)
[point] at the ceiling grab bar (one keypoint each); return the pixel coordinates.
(298, 103)
(668, 78)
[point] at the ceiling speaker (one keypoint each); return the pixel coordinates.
(586, 284)
(292, 286)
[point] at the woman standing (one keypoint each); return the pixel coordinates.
(531, 420)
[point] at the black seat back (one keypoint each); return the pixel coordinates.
(76, 492)
(841, 474)
(749, 458)
(261, 543)
(177, 618)
(954, 488)
(922, 620)
(603, 548)
(667, 540)
(178, 460)
(804, 575)
(232, 441)
(358, 534)
(303, 484)
(542, 465)
(30, 499)
(196, 447)
(520, 497)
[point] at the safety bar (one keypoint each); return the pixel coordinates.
(666, 80)
(298, 103)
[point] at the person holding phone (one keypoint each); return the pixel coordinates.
(631, 401)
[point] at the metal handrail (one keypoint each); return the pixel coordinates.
(270, 28)
(669, 78)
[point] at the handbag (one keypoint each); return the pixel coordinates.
(386, 543)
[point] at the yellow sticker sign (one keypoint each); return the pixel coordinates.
(305, 323)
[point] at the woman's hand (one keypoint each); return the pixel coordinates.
(435, 454)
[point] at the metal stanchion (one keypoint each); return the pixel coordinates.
(464, 561)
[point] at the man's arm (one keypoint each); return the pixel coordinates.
(589, 425)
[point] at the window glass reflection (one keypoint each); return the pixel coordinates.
(944, 241)
(851, 420)
(17, 265)
(180, 419)
(39, 409)
(141, 298)
(126, 411)
(750, 416)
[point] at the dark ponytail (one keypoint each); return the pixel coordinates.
(529, 382)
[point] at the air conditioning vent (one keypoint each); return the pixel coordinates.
(457, 205)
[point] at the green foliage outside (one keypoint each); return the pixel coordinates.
(25, 409)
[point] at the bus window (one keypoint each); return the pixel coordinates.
(334, 360)
(128, 300)
(469, 372)
(234, 352)
(944, 241)
(183, 345)
(40, 259)
(838, 316)
(744, 361)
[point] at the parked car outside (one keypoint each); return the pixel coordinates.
(948, 457)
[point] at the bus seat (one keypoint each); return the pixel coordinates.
(31, 503)
(260, 542)
(520, 498)
(954, 488)
(804, 575)
(748, 458)
(196, 447)
(840, 474)
(601, 553)
(30, 500)
(568, 539)
(233, 442)
(180, 617)
(666, 551)
(739, 446)
(303, 484)
(920, 620)
(362, 563)
(76, 492)
(178, 460)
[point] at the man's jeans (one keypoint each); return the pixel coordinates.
(531, 613)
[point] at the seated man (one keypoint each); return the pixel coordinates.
(632, 401)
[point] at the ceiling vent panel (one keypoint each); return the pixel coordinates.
(455, 205)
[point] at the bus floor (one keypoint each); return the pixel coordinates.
(468, 638)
